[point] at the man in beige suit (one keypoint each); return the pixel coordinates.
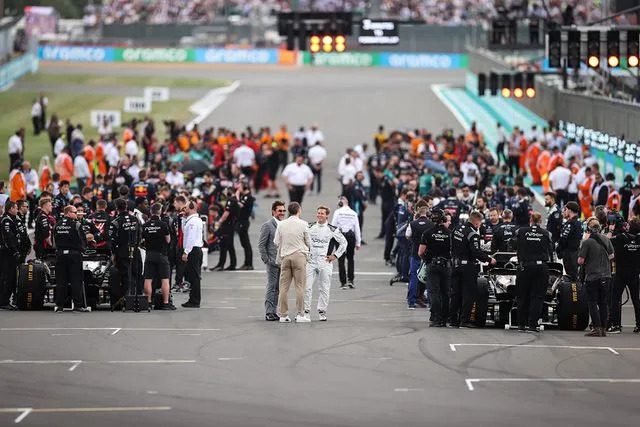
(292, 241)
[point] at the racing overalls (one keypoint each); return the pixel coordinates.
(325, 240)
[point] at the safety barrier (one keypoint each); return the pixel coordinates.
(251, 56)
(16, 68)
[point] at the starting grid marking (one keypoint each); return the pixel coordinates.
(24, 412)
(453, 347)
(471, 381)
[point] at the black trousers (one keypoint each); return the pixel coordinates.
(570, 261)
(598, 295)
(531, 287)
(226, 246)
(386, 209)
(347, 276)
(32, 208)
(296, 194)
(69, 272)
(464, 285)
(622, 281)
(192, 273)
(563, 197)
(500, 153)
(9, 276)
(317, 179)
(438, 281)
(514, 165)
(242, 227)
(36, 124)
(373, 191)
(13, 158)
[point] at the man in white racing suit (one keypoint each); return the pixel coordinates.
(327, 244)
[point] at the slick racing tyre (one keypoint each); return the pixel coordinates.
(573, 311)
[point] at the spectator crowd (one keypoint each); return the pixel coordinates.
(434, 12)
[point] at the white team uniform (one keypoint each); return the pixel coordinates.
(318, 268)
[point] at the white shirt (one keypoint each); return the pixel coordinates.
(317, 154)
(81, 167)
(573, 150)
(346, 219)
(357, 163)
(470, 173)
(244, 156)
(175, 179)
(58, 146)
(192, 227)
(77, 134)
(314, 136)
(348, 174)
(36, 109)
(559, 178)
(31, 180)
(105, 130)
(15, 144)
(131, 148)
(111, 154)
(297, 174)
(134, 171)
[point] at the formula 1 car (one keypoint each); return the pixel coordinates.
(96, 268)
(565, 302)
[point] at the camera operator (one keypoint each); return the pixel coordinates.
(569, 242)
(466, 252)
(534, 247)
(435, 250)
(10, 254)
(124, 237)
(70, 243)
(626, 246)
(595, 255)
(156, 237)
(90, 231)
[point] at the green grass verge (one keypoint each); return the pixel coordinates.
(126, 81)
(15, 112)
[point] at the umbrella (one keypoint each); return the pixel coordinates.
(197, 167)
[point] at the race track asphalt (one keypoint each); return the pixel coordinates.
(374, 363)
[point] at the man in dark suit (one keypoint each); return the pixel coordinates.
(268, 254)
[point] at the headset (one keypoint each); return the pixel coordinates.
(594, 228)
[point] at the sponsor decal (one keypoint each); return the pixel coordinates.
(75, 53)
(423, 60)
(154, 55)
(237, 56)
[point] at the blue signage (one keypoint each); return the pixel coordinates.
(76, 53)
(237, 56)
(423, 60)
